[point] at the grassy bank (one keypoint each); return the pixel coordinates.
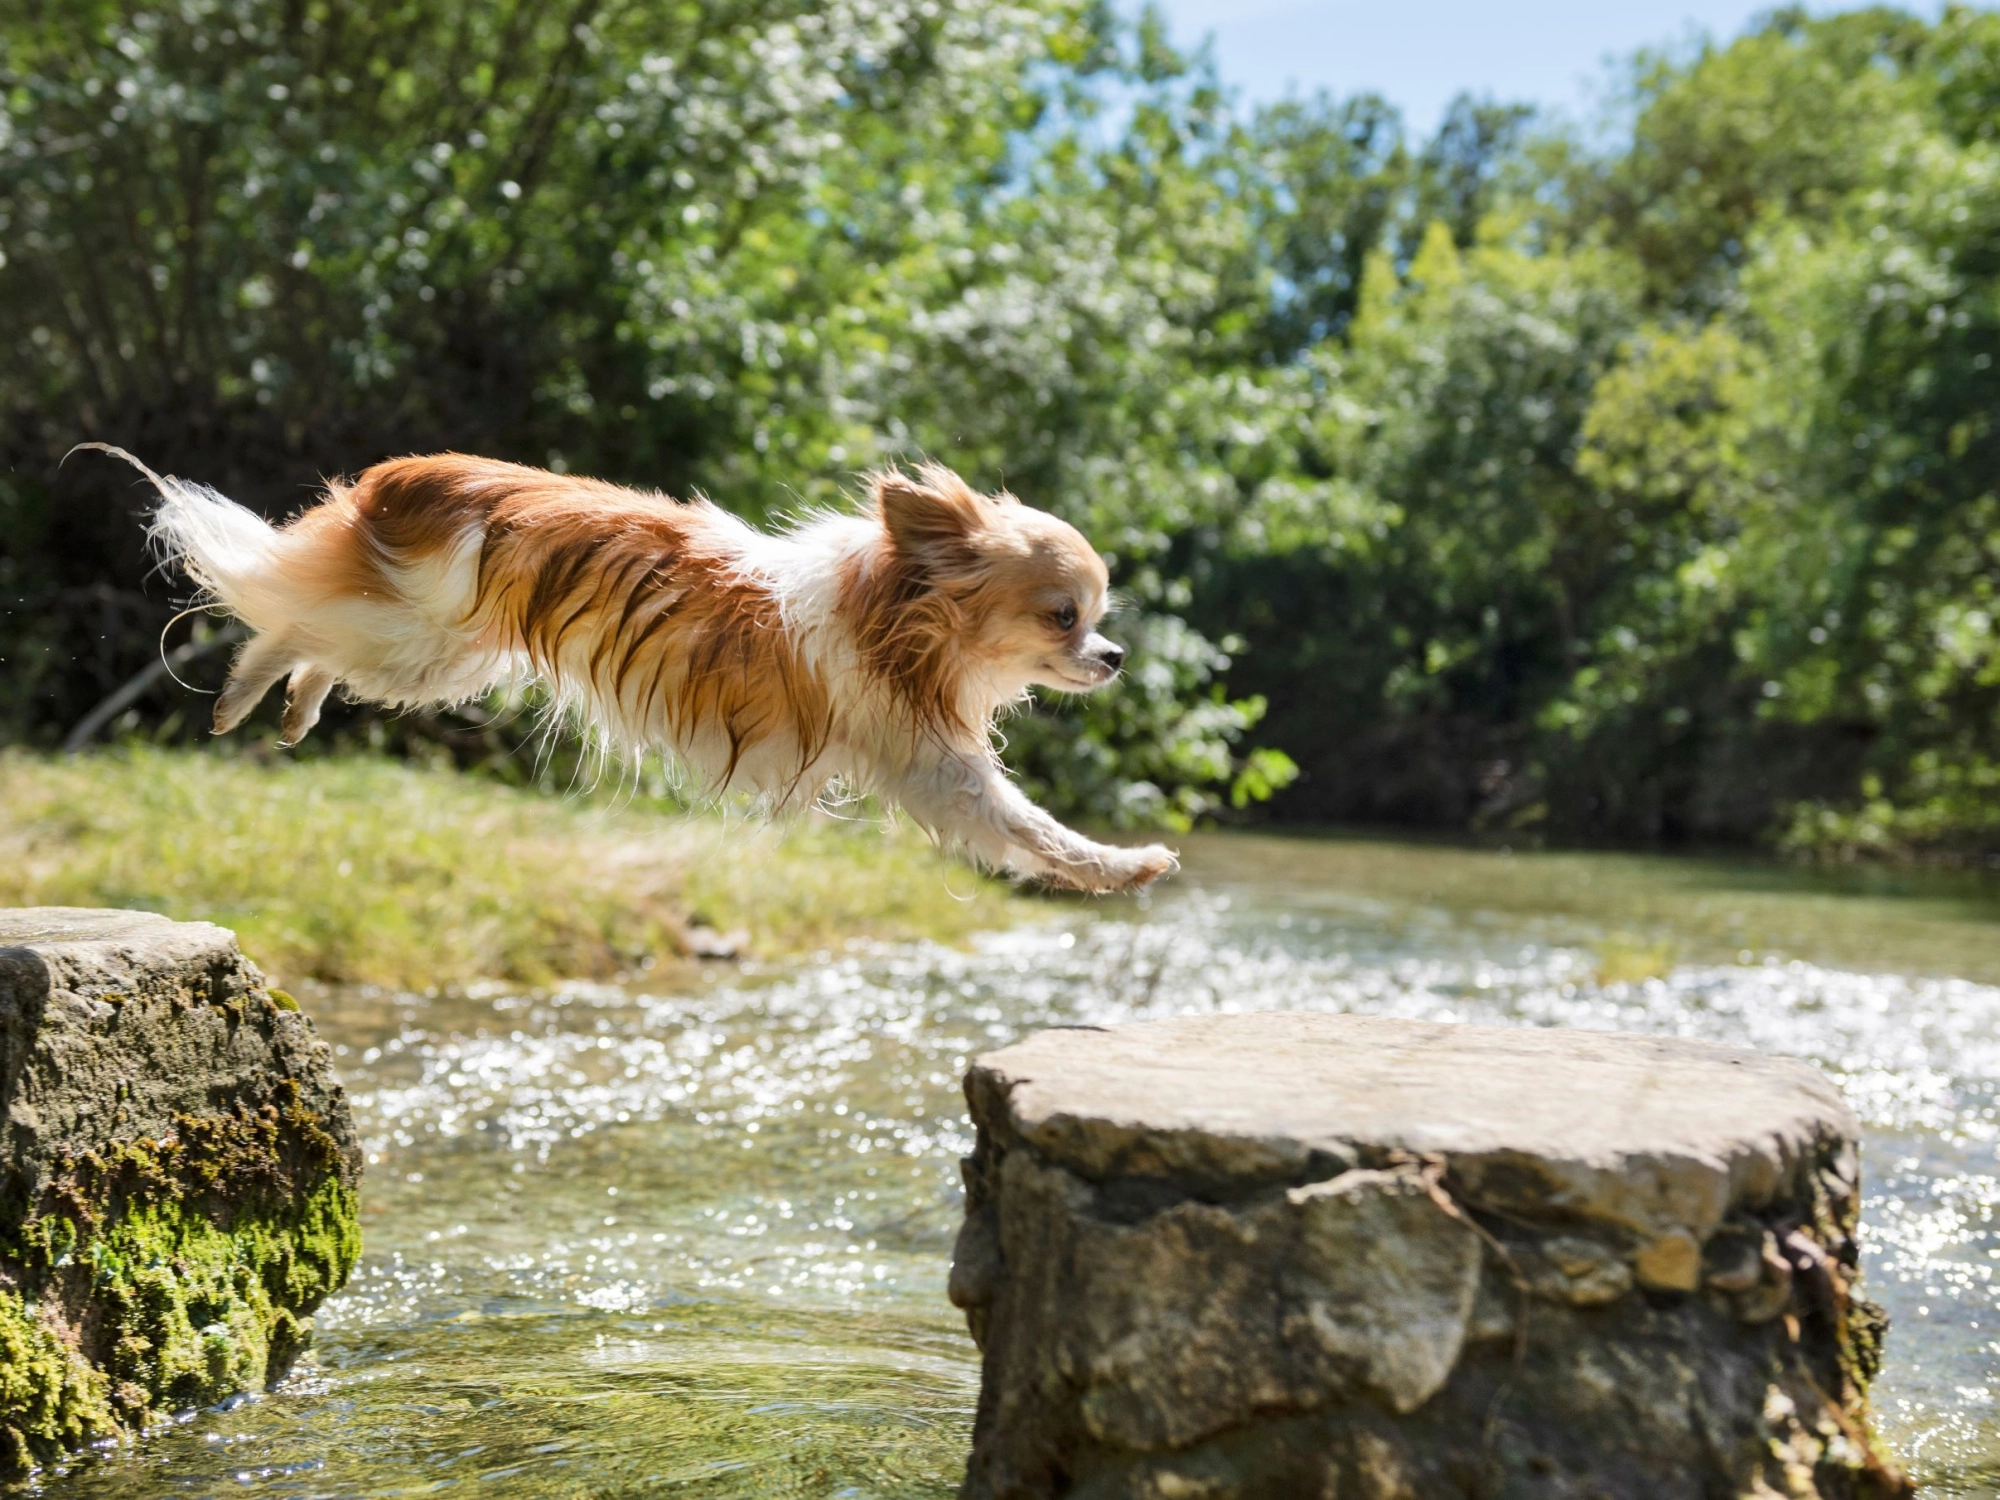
(371, 871)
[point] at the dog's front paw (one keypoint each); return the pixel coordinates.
(1139, 868)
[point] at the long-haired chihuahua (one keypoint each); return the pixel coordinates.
(873, 650)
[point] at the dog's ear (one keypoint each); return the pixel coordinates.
(930, 512)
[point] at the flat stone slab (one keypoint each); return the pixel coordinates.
(1286, 1254)
(1653, 1134)
(177, 1175)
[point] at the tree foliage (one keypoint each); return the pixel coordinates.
(1497, 480)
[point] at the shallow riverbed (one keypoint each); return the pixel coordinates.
(692, 1238)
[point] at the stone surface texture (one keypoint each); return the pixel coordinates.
(177, 1175)
(1301, 1255)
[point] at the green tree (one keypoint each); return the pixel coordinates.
(1500, 479)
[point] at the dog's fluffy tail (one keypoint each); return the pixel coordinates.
(231, 552)
(238, 560)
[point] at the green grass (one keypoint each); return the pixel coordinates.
(370, 871)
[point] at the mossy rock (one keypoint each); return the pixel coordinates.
(177, 1176)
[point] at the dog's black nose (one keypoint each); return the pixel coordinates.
(1112, 656)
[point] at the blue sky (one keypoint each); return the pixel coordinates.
(1419, 53)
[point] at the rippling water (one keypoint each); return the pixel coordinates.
(693, 1240)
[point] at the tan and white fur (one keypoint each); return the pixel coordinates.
(871, 651)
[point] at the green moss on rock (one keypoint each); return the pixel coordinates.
(191, 1263)
(51, 1399)
(193, 1310)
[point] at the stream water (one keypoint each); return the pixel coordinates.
(691, 1238)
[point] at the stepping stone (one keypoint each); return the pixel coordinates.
(177, 1176)
(1300, 1255)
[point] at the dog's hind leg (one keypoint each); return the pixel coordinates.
(303, 697)
(258, 666)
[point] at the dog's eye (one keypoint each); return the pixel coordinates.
(1065, 617)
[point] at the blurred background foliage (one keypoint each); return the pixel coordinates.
(1641, 486)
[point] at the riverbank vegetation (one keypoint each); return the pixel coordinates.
(1632, 485)
(360, 869)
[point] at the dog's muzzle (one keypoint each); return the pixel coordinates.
(1108, 655)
